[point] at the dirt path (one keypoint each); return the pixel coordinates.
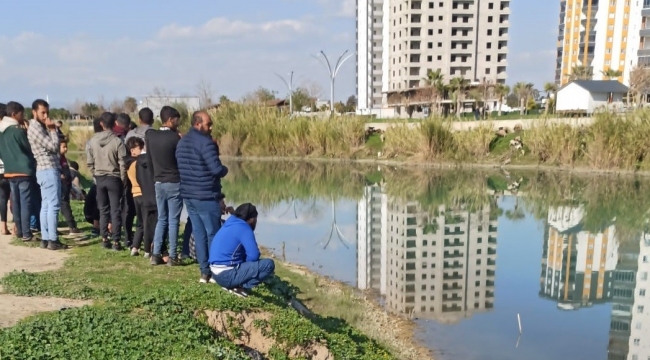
(13, 308)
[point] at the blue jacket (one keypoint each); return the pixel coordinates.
(234, 244)
(199, 166)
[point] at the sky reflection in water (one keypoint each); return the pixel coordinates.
(464, 272)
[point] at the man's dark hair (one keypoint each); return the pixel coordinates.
(168, 112)
(246, 211)
(123, 120)
(97, 125)
(40, 102)
(146, 116)
(14, 108)
(196, 118)
(108, 120)
(134, 142)
(74, 165)
(3, 110)
(59, 122)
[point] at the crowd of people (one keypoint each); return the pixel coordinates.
(143, 178)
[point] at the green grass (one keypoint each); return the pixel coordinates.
(146, 312)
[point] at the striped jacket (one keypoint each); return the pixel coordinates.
(45, 146)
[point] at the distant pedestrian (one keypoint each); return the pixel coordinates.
(44, 140)
(161, 152)
(19, 167)
(201, 172)
(105, 157)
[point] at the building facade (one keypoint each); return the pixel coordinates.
(399, 41)
(603, 35)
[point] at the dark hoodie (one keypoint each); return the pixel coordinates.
(145, 180)
(106, 154)
(15, 152)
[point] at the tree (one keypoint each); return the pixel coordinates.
(116, 106)
(91, 110)
(205, 93)
(339, 107)
(130, 104)
(301, 99)
(223, 99)
(457, 88)
(435, 82)
(351, 104)
(501, 91)
(639, 84)
(524, 91)
(59, 114)
(611, 74)
(313, 89)
(260, 96)
(549, 88)
(581, 72)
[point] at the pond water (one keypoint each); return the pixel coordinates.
(472, 255)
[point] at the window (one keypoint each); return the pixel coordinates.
(488, 45)
(439, 31)
(431, 18)
(639, 309)
(642, 292)
(439, 44)
(489, 32)
(609, 39)
(644, 276)
(429, 58)
(489, 18)
(431, 5)
(440, 17)
(430, 32)
(487, 71)
(637, 342)
(490, 6)
(439, 57)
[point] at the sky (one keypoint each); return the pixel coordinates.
(100, 51)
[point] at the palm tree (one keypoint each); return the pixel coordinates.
(501, 91)
(549, 88)
(477, 96)
(457, 86)
(523, 90)
(581, 72)
(611, 74)
(433, 81)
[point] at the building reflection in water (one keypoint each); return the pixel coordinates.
(436, 264)
(580, 268)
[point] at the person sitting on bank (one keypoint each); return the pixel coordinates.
(234, 255)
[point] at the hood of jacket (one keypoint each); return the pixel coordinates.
(128, 161)
(141, 130)
(105, 137)
(235, 222)
(7, 122)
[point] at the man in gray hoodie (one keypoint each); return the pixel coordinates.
(105, 155)
(146, 122)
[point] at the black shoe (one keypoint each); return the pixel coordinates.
(157, 260)
(26, 239)
(205, 278)
(106, 244)
(117, 246)
(44, 244)
(74, 231)
(173, 262)
(240, 291)
(94, 233)
(34, 231)
(56, 245)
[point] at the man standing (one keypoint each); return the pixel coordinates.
(146, 120)
(20, 168)
(201, 172)
(161, 153)
(44, 140)
(105, 156)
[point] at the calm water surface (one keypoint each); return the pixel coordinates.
(464, 253)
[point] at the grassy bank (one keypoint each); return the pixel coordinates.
(147, 312)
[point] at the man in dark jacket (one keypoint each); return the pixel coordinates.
(146, 203)
(20, 167)
(201, 171)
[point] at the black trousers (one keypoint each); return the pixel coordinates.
(5, 191)
(146, 224)
(110, 191)
(128, 217)
(66, 210)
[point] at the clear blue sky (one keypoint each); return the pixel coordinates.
(79, 49)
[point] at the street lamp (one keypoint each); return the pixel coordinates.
(332, 72)
(289, 85)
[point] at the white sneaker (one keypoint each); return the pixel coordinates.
(147, 255)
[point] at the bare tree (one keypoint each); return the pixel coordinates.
(314, 90)
(161, 92)
(116, 106)
(639, 84)
(204, 92)
(76, 107)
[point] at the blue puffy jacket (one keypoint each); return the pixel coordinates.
(201, 170)
(234, 244)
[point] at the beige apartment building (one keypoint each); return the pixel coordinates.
(431, 264)
(398, 41)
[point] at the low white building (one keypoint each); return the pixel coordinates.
(589, 96)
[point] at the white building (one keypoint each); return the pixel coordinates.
(640, 325)
(603, 35)
(399, 41)
(589, 96)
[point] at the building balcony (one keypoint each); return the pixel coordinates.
(491, 251)
(645, 31)
(505, 6)
(451, 298)
(452, 277)
(491, 262)
(453, 266)
(644, 52)
(645, 11)
(489, 283)
(453, 243)
(453, 286)
(455, 255)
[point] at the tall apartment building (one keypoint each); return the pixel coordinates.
(398, 41)
(438, 265)
(577, 265)
(603, 35)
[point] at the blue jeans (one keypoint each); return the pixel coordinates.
(187, 234)
(246, 275)
(205, 216)
(35, 203)
(21, 205)
(50, 182)
(170, 205)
